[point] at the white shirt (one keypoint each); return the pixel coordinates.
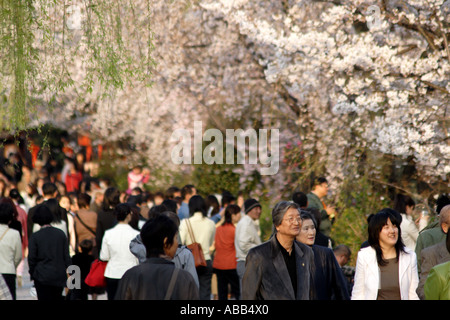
(10, 249)
(204, 230)
(410, 231)
(246, 237)
(367, 275)
(116, 250)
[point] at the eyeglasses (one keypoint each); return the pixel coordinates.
(292, 219)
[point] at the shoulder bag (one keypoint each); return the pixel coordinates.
(196, 248)
(96, 275)
(173, 279)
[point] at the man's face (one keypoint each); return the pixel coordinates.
(322, 189)
(255, 213)
(291, 223)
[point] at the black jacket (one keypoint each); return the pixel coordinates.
(150, 281)
(105, 220)
(48, 257)
(266, 276)
(329, 281)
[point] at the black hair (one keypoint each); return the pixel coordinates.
(86, 245)
(316, 214)
(111, 198)
(170, 204)
(300, 198)
(187, 189)
(155, 210)
(376, 224)
(169, 194)
(197, 204)
(55, 209)
(135, 200)
(84, 200)
(229, 211)
(227, 198)
(401, 201)
(441, 202)
(318, 181)
(121, 211)
(49, 188)
(211, 201)
(42, 215)
(305, 215)
(6, 213)
(448, 241)
(153, 233)
(172, 215)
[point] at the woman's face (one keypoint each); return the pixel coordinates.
(388, 235)
(171, 249)
(307, 233)
(65, 203)
(235, 217)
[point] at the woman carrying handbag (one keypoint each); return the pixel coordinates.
(203, 231)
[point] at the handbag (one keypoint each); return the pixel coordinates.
(96, 275)
(196, 248)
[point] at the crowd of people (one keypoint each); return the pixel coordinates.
(52, 221)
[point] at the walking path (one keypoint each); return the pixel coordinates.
(27, 291)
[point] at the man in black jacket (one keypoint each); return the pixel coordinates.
(280, 269)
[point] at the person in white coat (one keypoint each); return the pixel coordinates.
(386, 270)
(410, 229)
(115, 249)
(10, 248)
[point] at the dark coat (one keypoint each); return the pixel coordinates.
(266, 276)
(329, 281)
(48, 257)
(105, 220)
(150, 281)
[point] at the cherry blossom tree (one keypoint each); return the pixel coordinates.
(353, 86)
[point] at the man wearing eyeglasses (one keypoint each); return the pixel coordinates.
(280, 269)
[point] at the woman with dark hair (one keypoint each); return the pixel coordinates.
(183, 259)
(224, 262)
(386, 270)
(48, 256)
(329, 281)
(410, 229)
(10, 247)
(106, 218)
(116, 248)
(85, 222)
(203, 230)
(157, 278)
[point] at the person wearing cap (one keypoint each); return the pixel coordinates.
(247, 234)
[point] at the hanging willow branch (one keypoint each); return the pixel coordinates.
(42, 43)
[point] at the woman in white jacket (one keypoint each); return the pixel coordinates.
(410, 229)
(115, 249)
(386, 270)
